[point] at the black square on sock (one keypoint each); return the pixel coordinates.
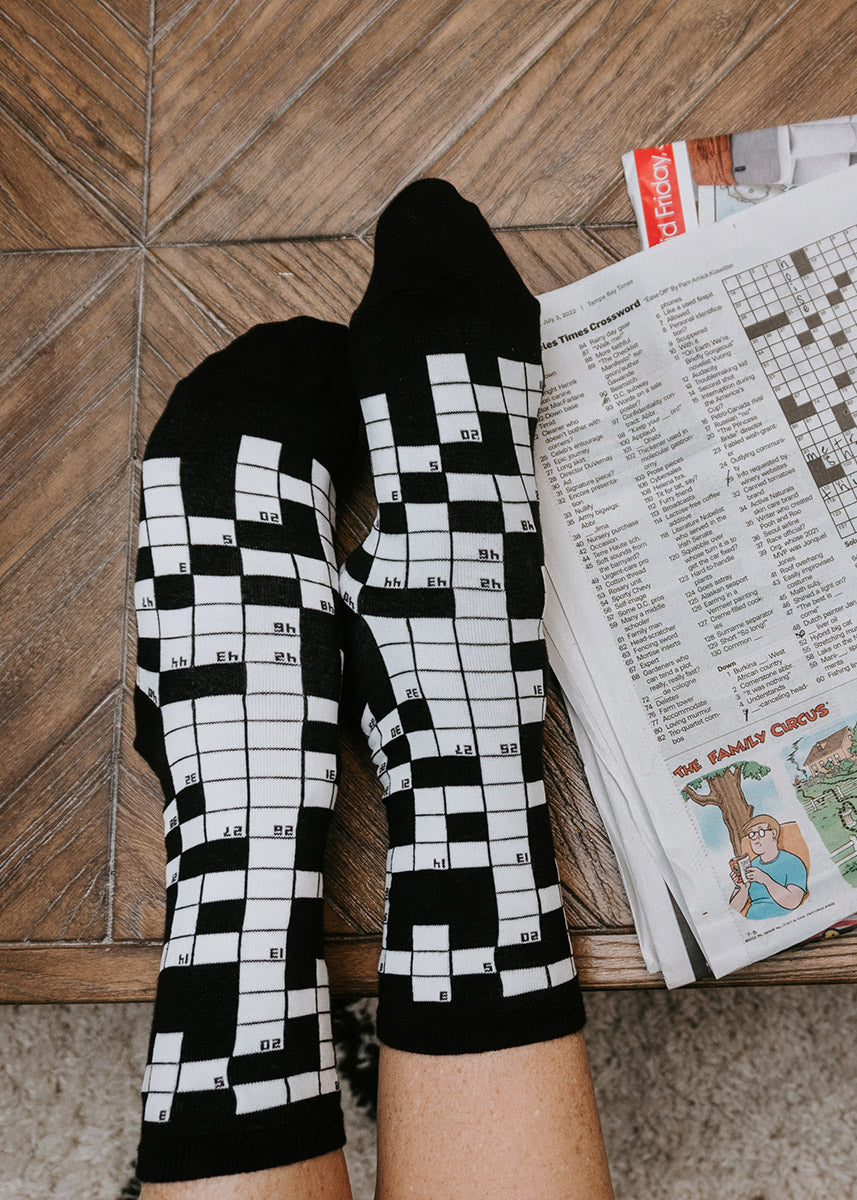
(215, 560)
(322, 737)
(467, 827)
(220, 916)
(415, 714)
(174, 591)
(310, 838)
(475, 516)
(215, 679)
(149, 654)
(270, 589)
(528, 656)
(222, 854)
(394, 519)
(145, 563)
(450, 771)
(531, 752)
(425, 487)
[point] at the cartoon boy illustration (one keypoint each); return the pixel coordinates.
(776, 879)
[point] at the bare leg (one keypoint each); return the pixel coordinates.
(322, 1178)
(516, 1124)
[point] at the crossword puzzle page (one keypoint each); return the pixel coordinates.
(696, 463)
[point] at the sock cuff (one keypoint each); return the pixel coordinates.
(306, 1130)
(447, 1030)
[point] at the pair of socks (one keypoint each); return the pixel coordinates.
(243, 625)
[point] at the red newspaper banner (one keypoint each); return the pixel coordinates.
(659, 193)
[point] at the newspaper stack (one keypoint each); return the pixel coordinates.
(697, 472)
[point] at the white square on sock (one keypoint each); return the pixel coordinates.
(550, 898)
(447, 368)
(160, 471)
(302, 1087)
(476, 961)
(419, 459)
(165, 501)
(468, 854)
(258, 482)
(464, 799)
(262, 452)
(526, 979)
(427, 518)
(514, 879)
(453, 398)
(212, 531)
(401, 858)
(431, 990)
(297, 490)
(222, 885)
(512, 373)
(397, 962)
(430, 829)
(561, 972)
(168, 1046)
(375, 408)
(427, 801)
(215, 948)
(431, 937)
(163, 1077)
(255, 1097)
(167, 531)
(489, 399)
(431, 962)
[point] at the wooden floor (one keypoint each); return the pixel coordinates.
(167, 179)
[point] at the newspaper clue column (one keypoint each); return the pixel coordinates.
(696, 450)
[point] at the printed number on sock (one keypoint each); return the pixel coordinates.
(532, 936)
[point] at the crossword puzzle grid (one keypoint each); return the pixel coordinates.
(466, 678)
(220, 654)
(800, 313)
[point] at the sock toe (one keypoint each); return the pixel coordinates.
(429, 233)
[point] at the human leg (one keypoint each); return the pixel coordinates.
(239, 662)
(479, 1004)
(321, 1178)
(514, 1124)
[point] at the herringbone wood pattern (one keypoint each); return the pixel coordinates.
(171, 175)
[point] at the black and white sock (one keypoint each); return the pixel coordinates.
(238, 683)
(445, 650)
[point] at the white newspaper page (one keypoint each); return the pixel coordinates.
(698, 482)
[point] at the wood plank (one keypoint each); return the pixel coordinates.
(74, 83)
(549, 148)
(55, 840)
(41, 206)
(224, 72)
(199, 298)
(41, 293)
(82, 973)
(387, 107)
(63, 607)
(66, 412)
(788, 77)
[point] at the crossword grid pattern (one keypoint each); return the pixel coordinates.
(466, 674)
(222, 616)
(800, 313)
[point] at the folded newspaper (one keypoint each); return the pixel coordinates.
(696, 461)
(681, 185)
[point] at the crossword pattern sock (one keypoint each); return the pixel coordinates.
(238, 680)
(445, 651)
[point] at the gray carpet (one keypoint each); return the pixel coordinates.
(745, 1094)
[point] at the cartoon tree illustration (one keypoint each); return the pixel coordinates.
(725, 792)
